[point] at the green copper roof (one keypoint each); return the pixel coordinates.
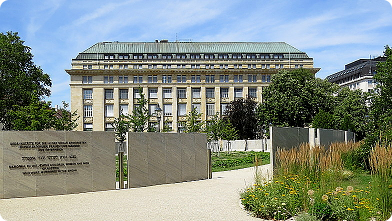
(191, 47)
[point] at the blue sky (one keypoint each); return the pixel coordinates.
(333, 32)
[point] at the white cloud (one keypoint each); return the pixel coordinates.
(2, 1)
(41, 14)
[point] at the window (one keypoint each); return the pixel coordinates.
(196, 93)
(124, 109)
(167, 93)
(168, 125)
(210, 92)
(252, 78)
(237, 92)
(123, 66)
(109, 110)
(181, 127)
(123, 93)
(210, 78)
(268, 66)
(277, 66)
(223, 109)
(181, 78)
(252, 92)
(152, 79)
(152, 108)
(224, 92)
(195, 78)
(166, 79)
(88, 66)
(266, 78)
(167, 109)
(196, 107)
(136, 93)
(108, 79)
(224, 78)
(109, 127)
(137, 79)
(181, 109)
(237, 78)
(88, 111)
(153, 93)
(108, 93)
(87, 126)
(87, 79)
(123, 79)
(281, 66)
(87, 93)
(210, 109)
(181, 92)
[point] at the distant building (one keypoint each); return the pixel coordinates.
(175, 76)
(358, 74)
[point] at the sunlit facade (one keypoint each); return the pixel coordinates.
(174, 76)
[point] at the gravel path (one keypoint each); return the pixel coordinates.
(214, 199)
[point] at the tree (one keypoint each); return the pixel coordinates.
(241, 114)
(140, 115)
(22, 83)
(193, 123)
(36, 116)
(220, 129)
(294, 98)
(381, 106)
(351, 112)
(323, 120)
(64, 119)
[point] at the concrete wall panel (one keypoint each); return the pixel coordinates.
(158, 158)
(55, 162)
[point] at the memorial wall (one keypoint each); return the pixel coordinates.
(41, 163)
(159, 158)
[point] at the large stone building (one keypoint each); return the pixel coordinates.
(357, 74)
(174, 76)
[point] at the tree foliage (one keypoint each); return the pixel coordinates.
(23, 85)
(140, 115)
(294, 98)
(382, 98)
(351, 112)
(65, 119)
(121, 126)
(194, 124)
(241, 114)
(220, 129)
(21, 81)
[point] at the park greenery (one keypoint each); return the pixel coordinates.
(23, 87)
(346, 181)
(321, 183)
(222, 161)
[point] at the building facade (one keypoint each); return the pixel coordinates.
(174, 76)
(357, 74)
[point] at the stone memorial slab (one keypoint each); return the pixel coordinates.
(42, 163)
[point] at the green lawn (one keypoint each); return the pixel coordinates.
(237, 159)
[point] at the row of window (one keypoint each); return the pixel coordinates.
(192, 66)
(167, 109)
(138, 79)
(167, 93)
(192, 56)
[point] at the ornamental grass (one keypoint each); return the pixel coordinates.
(315, 181)
(381, 166)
